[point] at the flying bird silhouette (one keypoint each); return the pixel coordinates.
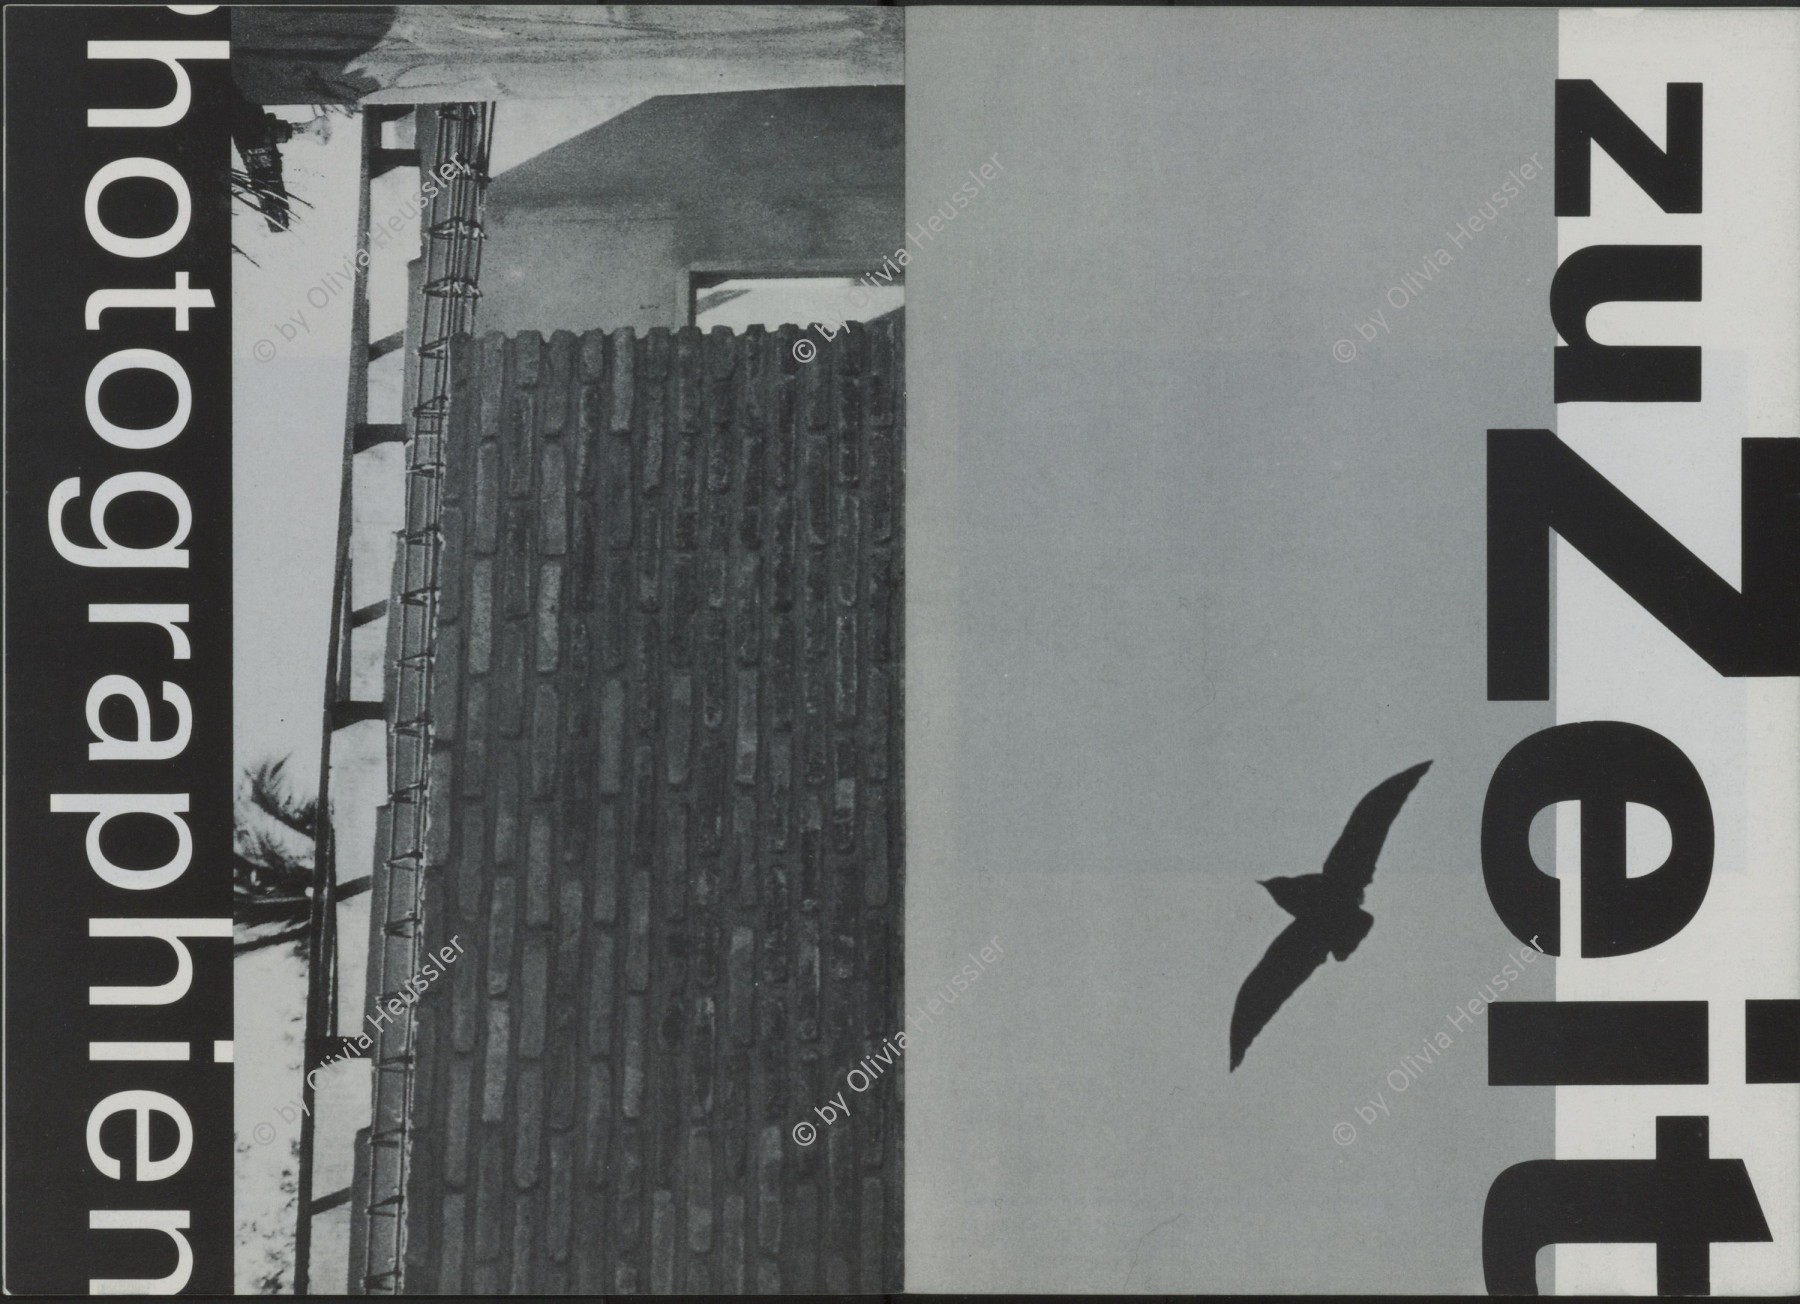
(1327, 910)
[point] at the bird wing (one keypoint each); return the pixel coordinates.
(1352, 860)
(1289, 961)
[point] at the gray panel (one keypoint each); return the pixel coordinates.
(1183, 585)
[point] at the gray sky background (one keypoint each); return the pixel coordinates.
(1182, 587)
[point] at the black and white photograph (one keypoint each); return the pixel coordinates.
(606, 546)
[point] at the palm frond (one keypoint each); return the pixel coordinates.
(269, 793)
(272, 878)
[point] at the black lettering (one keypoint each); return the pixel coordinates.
(1587, 371)
(1682, 1201)
(1603, 764)
(1596, 1043)
(1538, 484)
(1671, 176)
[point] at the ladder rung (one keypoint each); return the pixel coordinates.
(383, 160)
(370, 433)
(326, 1203)
(353, 711)
(335, 1048)
(368, 615)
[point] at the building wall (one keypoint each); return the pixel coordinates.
(598, 232)
(431, 54)
(665, 819)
